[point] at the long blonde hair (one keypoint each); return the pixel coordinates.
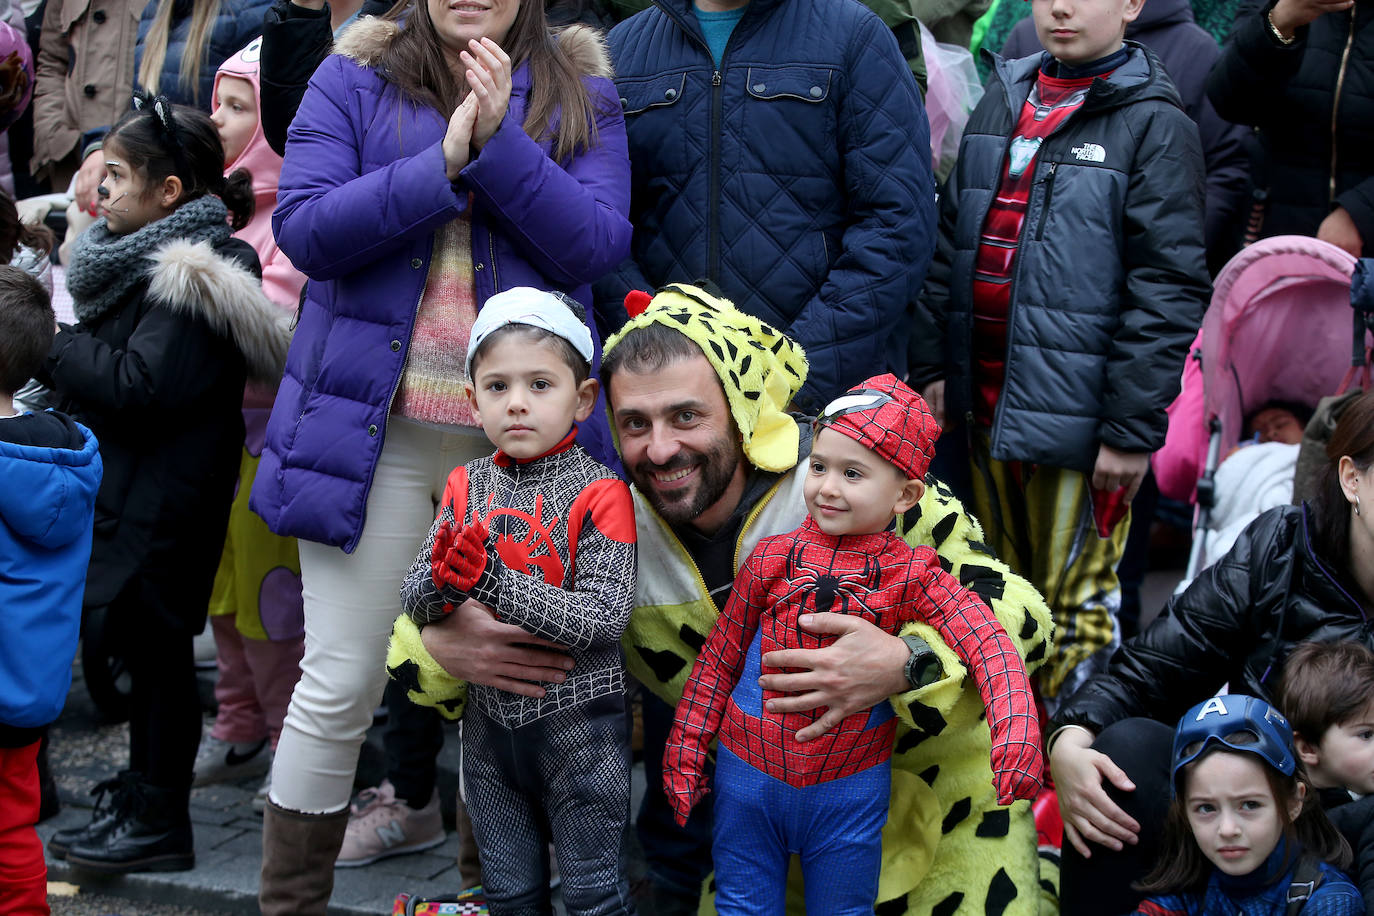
(203, 16)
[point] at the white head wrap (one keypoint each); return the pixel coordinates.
(535, 307)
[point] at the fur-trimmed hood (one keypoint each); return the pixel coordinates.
(368, 39)
(191, 276)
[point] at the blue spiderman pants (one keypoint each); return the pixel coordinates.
(835, 827)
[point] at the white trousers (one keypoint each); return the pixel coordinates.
(350, 603)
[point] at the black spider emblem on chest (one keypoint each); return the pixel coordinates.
(828, 591)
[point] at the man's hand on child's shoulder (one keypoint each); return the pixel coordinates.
(1115, 469)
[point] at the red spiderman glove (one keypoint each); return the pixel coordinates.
(463, 559)
(683, 781)
(443, 540)
(1018, 766)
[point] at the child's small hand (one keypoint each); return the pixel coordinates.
(683, 784)
(467, 557)
(1018, 769)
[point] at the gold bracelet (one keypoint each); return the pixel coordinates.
(1274, 30)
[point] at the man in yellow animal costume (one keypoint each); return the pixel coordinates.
(698, 394)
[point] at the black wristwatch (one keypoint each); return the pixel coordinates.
(923, 667)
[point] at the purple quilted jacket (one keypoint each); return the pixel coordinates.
(362, 193)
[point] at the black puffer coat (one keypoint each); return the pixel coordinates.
(159, 379)
(1110, 279)
(1302, 97)
(1235, 624)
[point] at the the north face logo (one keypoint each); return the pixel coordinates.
(1090, 152)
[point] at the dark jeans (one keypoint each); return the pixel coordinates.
(164, 701)
(678, 858)
(1102, 884)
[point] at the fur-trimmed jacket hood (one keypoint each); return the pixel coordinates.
(191, 277)
(368, 39)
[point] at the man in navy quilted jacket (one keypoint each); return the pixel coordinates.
(780, 150)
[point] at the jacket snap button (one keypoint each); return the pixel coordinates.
(395, 346)
(670, 94)
(478, 266)
(416, 263)
(89, 91)
(98, 16)
(816, 92)
(759, 87)
(372, 430)
(624, 103)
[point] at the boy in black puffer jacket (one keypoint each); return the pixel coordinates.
(1068, 281)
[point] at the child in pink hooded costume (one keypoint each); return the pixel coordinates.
(255, 611)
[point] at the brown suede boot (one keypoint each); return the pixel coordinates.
(298, 853)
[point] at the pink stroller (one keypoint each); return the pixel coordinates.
(1279, 328)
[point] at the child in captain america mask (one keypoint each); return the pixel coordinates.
(828, 797)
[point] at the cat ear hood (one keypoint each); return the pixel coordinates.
(760, 368)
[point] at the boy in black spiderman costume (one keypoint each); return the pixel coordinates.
(828, 798)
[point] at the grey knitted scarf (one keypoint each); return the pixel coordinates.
(106, 266)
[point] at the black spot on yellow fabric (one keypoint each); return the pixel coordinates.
(453, 704)
(996, 823)
(680, 317)
(407, 674)
(751, 395)
(1034, 655)
(911, 517)
(745, 363)
(958, 812)
(945, 564)
(943, 528)
(1029, 625)
(929, 774)
(927, 719)
(1001, 893)
(909, 740)
(715, 348)
(691, 637)
(734, 350)
(984, 581)
(664, 665)
(894, 907)
(949, 906)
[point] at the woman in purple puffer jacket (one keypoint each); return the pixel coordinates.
(443, 153)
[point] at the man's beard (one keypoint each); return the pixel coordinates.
(716, 470)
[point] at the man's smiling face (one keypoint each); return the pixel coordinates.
(679, 442)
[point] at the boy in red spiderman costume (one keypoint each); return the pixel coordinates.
(828, 798)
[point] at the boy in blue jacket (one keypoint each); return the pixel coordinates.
(1068, 281)
(50, 466)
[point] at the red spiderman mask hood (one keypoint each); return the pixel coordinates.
(883, 414)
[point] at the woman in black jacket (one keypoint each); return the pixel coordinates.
(1297, 573)
(1302, 71)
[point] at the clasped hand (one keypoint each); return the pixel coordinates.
(475, 120)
